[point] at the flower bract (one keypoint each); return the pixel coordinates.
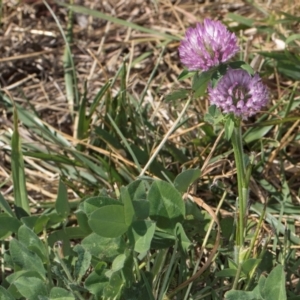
(207, 45)
(239, 93)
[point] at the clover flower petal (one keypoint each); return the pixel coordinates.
(207, 45)
(239, 93)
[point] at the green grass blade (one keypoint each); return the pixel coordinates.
(125, 142)
(69, 68)
(40, 128)
(98, 97)
(83, 122)
(151, 77)
(259, 209)
(100, 15)
(68, 62)
(167, 278)
(17, 166)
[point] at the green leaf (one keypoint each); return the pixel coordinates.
(5, 206)
(61, 236)
(141, 234)
(249, 266)
(241, 295)
(242, 65)
(185, 74)
(8, 224)
(229, 126)
(54, 219)
(256, 133)
(162, 240)
(141, 208)
(214, 111)
(74, 232)
(31, 287)
(200, 82)
(103, 248)
(82, 263)
(94, 203)
(217, 74)
(62, 204)
(128, 207)
(32, 242)
(12, 289)
(214, 115)
(82, 221)
(137, 190)
(274, 288)
(118, 263)
(128, 269)
(226, 273)
(176, 153)
(109, 221)
(5, 295)
(58, 293)
(232, 264)
(257, 290)
(114, 288)
(24, 259)
(166, 205)
(23, 273)
(185, 179)
(184, 241)
(97, 281)
(240, 19)
(177, 95)
(41, 223)
(227, 227)
(29, 221)
(266, 265)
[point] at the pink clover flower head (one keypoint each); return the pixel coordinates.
(207, 46)
(239, 93)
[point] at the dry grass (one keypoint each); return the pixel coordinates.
(32, 72)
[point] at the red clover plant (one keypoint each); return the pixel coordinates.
(238, 93)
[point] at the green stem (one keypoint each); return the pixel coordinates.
(237, 276)
(236, 140)
(167, 279)
(243, 178)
